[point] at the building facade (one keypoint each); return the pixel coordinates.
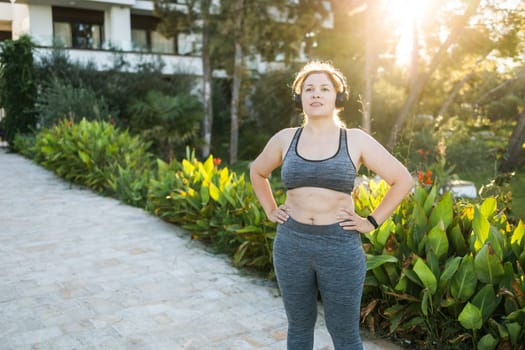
(94, 30)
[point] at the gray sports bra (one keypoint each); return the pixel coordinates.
(336, 173)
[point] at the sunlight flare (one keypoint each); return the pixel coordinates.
(408, 14)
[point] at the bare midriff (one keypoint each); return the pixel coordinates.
(317, 206)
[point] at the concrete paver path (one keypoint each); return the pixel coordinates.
(83, 271)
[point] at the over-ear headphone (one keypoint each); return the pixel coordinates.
(340, 98)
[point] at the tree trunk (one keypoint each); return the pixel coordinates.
(499, 87)
(419, 84)
(207, 122)
(455, 91)
(516, 148)
(236, 88)
(370, 66)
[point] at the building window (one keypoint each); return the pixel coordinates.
(145, 36)
(76, 28)
(5, 35)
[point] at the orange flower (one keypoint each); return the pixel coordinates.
(217, 161)
(425, 178)
(420, 176)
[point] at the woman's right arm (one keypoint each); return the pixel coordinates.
(260, 169)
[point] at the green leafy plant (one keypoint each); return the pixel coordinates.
(217, 206)
(61, 100)
(17, 86)
(444, 273)
(97, 155)
(168, 121)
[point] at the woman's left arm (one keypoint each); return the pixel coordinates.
(376, 158)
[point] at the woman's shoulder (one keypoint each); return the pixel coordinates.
(285, 135)
(356, 133)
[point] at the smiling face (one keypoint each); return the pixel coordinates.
(318, 95)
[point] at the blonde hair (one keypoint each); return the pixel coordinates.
(336, 77)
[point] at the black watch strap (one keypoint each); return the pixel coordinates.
(372, 221)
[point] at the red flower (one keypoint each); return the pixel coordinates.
(425, 178)
(217, 161)
(420, 176)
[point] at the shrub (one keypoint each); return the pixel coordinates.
(217, 206)
(23, 144)
(61, 100)
(445, 274)
(17, 86)
(97, 155)
(167, 121)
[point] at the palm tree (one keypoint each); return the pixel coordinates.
(168, 121)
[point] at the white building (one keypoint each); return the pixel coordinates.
(93, 30)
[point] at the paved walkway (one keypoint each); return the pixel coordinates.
(83, 271)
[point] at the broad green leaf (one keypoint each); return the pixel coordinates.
(429, 201)
(208, 165)
(502, 330)
(470, 317)
(419, 227)
(457, 240)
(401, 284)
(420, 195)
(437, 241)
(451, 266)
(373, 261)
(224, 176)
(463, 284)
(214, 192)
(488, 266)
(381, 276)
(412, 276)
(485, 300)
(230, 199)
(249, 229)
(187, 167)
(205, 194)
(392, 271)
(85, 157)
(364, 196)
(516, 240)
(425, 275)
(481, 227)
(517, 316)
(239, 255)
(442, 213)
(425, 300)
(487, 342)
(432, 261)
(488, 207)
(514, 329)
(202, 173)
(497, 240)
(448, 302)
(508, 276)
(384, 232)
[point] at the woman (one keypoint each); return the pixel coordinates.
(317, 245)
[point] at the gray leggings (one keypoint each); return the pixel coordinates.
(308, 258)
